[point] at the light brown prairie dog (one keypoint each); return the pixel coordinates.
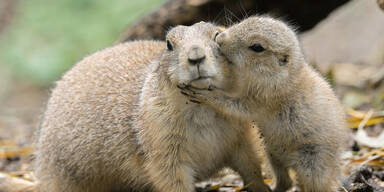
(117, 121)
(294, 107)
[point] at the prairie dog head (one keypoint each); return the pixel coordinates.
(192, 58)
(265, 50)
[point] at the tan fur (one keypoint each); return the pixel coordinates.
(117, 121)
(294, 107)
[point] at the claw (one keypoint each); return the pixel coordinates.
(180, 87)
(189, 89)
(186, 94)
(194, 101)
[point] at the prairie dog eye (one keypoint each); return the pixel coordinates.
(257, 48)
(169, 46)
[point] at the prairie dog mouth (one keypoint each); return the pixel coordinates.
(201, 83)
(201, 78)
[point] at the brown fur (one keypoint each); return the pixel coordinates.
(117, 121)
(294, 107)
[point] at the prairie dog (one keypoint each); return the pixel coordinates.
(293, 106)
(117, 121)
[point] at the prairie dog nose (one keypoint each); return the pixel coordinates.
(220, 38)
(196, 55)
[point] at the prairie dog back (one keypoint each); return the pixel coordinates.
(84, 134)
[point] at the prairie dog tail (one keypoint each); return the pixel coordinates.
(11, 184)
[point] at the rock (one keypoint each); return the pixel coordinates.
(305, 14)
(7, 9)
(381, 4)
(352, 34)
(8, 183)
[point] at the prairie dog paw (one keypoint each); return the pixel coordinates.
(196, 95)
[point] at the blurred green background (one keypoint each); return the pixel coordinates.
(45, 38)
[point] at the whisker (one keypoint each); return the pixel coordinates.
(216, 19)
(238, 19)
(227, 18)
(242, 8)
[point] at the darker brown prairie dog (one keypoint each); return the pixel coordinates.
(117, 121)
(294, 107)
